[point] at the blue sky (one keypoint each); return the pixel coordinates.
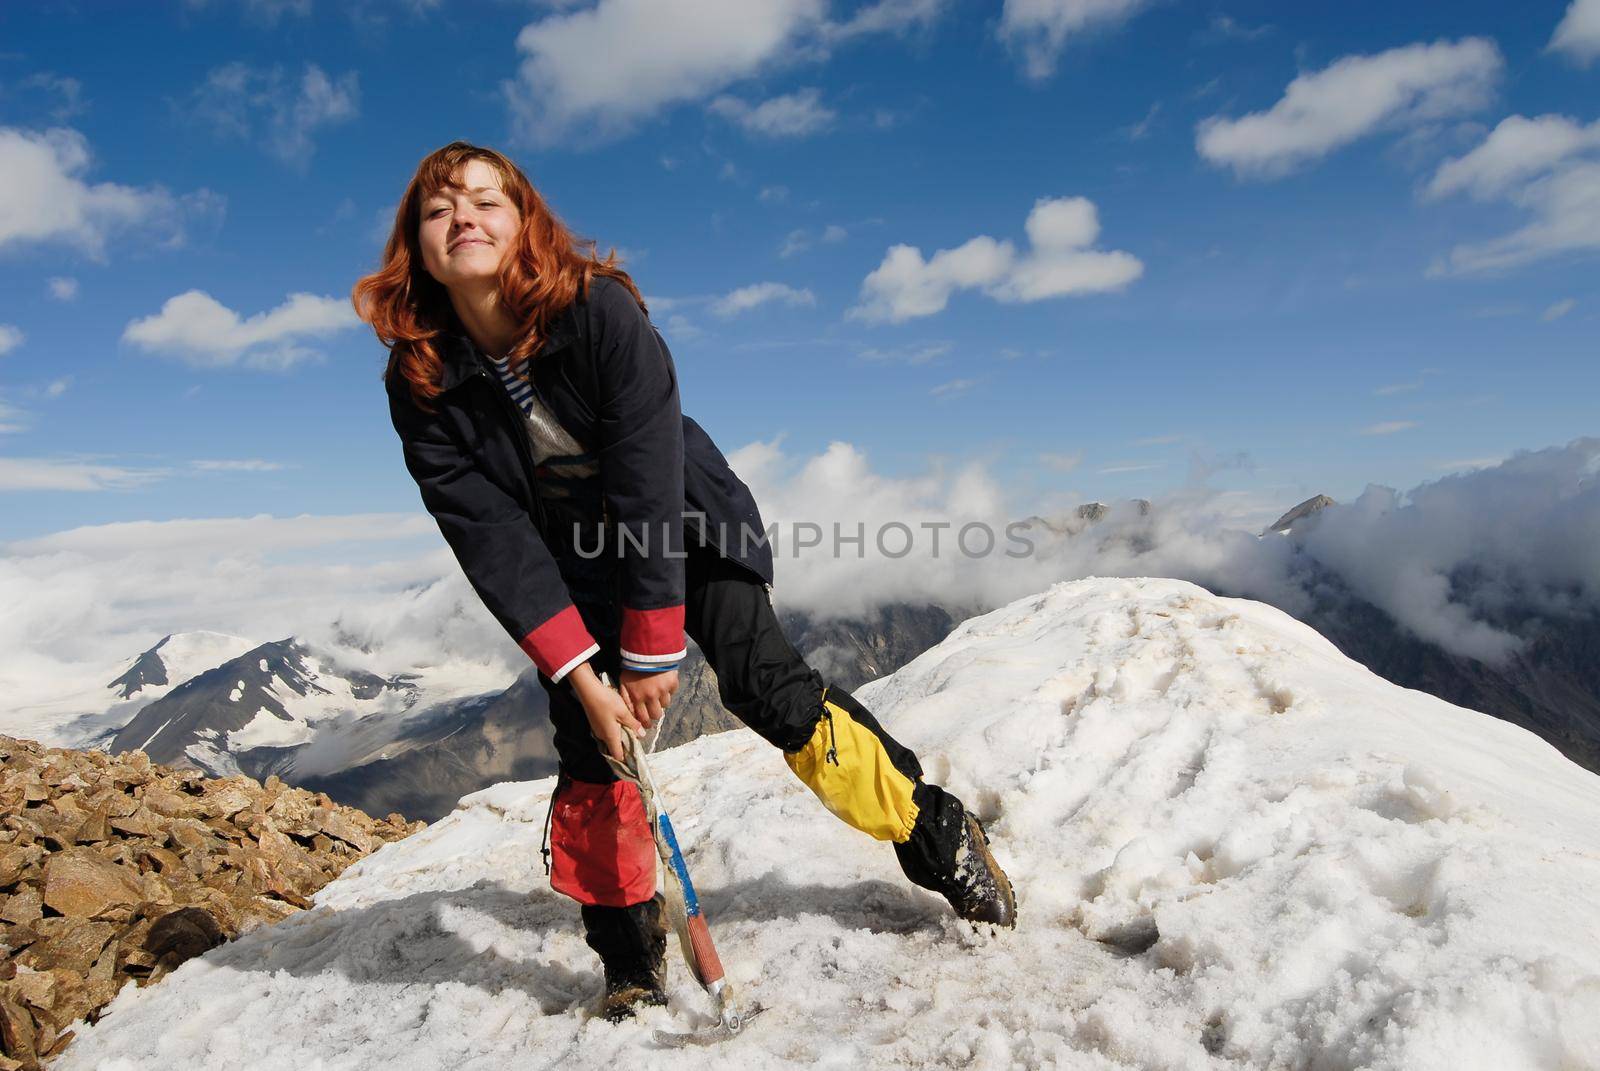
(1368, 277)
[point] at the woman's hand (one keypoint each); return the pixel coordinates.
(609, 711)
(649, 693)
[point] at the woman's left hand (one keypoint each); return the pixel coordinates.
(649, 693)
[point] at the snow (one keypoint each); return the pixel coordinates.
(268, 729)
(1232, 846)
(64, 704)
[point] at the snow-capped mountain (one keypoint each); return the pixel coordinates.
(1232, 846)
(174, 660)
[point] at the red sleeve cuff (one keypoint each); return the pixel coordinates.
(560, 644)
(653, 637)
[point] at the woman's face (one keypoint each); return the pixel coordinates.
(464, 232)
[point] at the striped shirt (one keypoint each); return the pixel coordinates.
(567, 479)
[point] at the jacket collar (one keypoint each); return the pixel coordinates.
(462, 358)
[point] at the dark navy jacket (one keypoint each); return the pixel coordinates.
(608, 378)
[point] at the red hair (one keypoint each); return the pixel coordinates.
(546, 270)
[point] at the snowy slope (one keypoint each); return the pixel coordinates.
(1232, 846)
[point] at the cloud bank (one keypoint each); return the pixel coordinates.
(1461, 561)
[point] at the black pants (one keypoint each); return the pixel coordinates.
(763, 682)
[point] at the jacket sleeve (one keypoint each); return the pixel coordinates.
(496, 542)
(639, 433)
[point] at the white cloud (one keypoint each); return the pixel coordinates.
(1389, 427)
(197, 329)
(83, 601)
(800, 239)
(47, 201)
(63, 288)
(1396, 388)
(1351, 98)
(1158, 440)
(59, 474)
(1514, 152)
(10, 338)
(1578, 35)
(1038, 29)
(1548, 166)
(1558, 310)
(1132, 466)
(757, 294)
(12, 419)
(1061, 462)
(1060, 262)
(792, 115)
(773, 195)
(57, 387)
(241, 465)
(951, 388)
(266, 105)
(915, 354)
(660, 53)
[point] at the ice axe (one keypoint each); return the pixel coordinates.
(682, 906)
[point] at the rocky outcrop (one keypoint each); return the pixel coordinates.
(114, 869)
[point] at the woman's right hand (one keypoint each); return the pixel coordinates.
(607, 709)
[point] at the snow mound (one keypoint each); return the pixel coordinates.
(1232, 845)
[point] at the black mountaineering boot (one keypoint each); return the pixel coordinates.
(980, 890)
(948, 853)
(632, 943)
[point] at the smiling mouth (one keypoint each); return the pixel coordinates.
(466, 242)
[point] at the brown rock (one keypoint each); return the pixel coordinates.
(16, 1032)
(183, 934)
(75, 948)
(141, 823)
(227, 798)
(190, 836)
(170, 804)
(96, 826)
(23, 906)
(80, 883)
(17, 860)
(340, 827)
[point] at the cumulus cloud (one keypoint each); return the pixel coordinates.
(63, 288)
(1549, 166)
(268, 106)
(793, 115)
(10, 338)
(758, 294)
(1578, 34)
(1037, 30)
(1060, 262)
(1351, 98)
(661, 53)
(202, 332)
(48, 201)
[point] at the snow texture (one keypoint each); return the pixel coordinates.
(1232, 845)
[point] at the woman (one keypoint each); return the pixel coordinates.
(537, 408)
